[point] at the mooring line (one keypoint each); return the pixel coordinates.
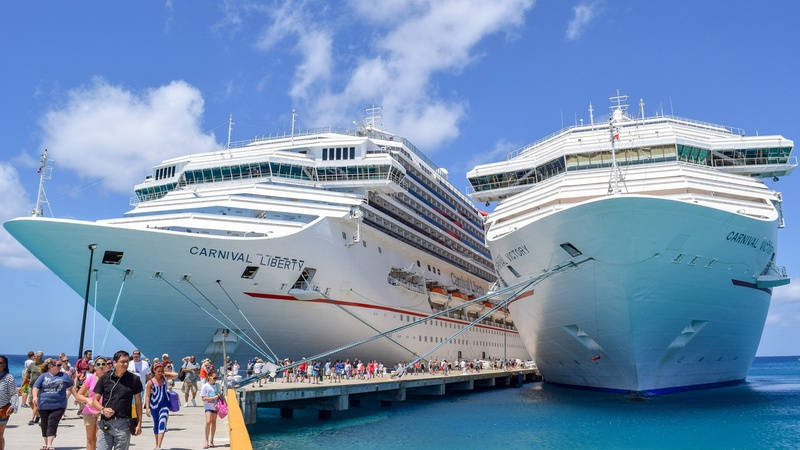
(219, 282)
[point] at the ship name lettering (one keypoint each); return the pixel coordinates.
(764, 245)
(518, 252)
(277, 262)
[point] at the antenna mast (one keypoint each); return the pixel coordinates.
(230, 128)
(617, 115)
(641, 107)
(45, 173)
(374, 117)
(294, 116)
(591, 113)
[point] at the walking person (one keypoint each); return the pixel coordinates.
(85, 393)
(118, 388)
(34, 372)
(25, 389)
(156, 400)
(9, 402)
(209, 395)
(81, 372)
(190, 368)
(50, 396)
(139, 367)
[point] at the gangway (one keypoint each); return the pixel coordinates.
(515, 289)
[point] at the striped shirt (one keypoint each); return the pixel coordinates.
(8, 391)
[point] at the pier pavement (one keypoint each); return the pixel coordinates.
(185, 430)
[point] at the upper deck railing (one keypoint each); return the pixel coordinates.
(632, 122)
(304, 135)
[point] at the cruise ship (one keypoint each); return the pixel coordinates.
(677, 231)
(295, 244)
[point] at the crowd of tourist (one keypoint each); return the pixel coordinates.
(108, 391)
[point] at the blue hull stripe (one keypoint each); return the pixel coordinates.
(651, 392)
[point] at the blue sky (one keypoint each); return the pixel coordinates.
(113, 89)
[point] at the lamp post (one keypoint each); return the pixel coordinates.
(224, 361)
(86, 298)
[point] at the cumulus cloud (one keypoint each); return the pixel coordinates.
(113, 134)
(413, 41)
(787, 293)
(582, 14)
(13, 203)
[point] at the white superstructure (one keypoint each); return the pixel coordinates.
(682, 232)
(300, 243)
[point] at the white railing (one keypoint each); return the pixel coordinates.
(634, 121)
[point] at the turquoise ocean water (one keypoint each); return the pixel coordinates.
(764, 412)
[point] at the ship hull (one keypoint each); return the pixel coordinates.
(172, 301)
(668, 301)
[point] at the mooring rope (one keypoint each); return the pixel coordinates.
(200, 307)
(114, 311)
(235, 305)
(233, 324)
(443, 312)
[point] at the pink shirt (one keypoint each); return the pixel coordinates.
(90, 382)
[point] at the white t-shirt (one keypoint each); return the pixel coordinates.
(209, 390)
(141, 369)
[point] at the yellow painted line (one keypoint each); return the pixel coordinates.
(240, 438)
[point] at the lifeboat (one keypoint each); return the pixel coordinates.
(438, 296)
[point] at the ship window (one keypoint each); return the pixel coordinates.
(324, 154)
(418, 264)
(514, 271)
(338, 153)
(569, 248)
(379, 250)
(250, 272)
(112, 257)
(304, 280)
(352, 153)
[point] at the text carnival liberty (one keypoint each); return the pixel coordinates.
(278, 262)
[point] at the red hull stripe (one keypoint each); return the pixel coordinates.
(383, 308)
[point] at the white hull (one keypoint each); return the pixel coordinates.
(157, 318)
(639, 317)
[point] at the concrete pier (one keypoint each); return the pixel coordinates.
(328, 397)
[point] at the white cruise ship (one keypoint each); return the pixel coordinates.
(297, 244)
(681, 232)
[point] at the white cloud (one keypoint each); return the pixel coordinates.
(583, 14)
(313, 44)
(414, 40)
(787, 293)
(773, 318)
(169, 18)
(13, 203)
(109, 133)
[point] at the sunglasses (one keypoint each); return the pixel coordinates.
(57, 365)
(100, 364)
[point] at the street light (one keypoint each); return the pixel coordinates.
(86, 298)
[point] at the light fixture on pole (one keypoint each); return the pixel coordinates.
(86, 298)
